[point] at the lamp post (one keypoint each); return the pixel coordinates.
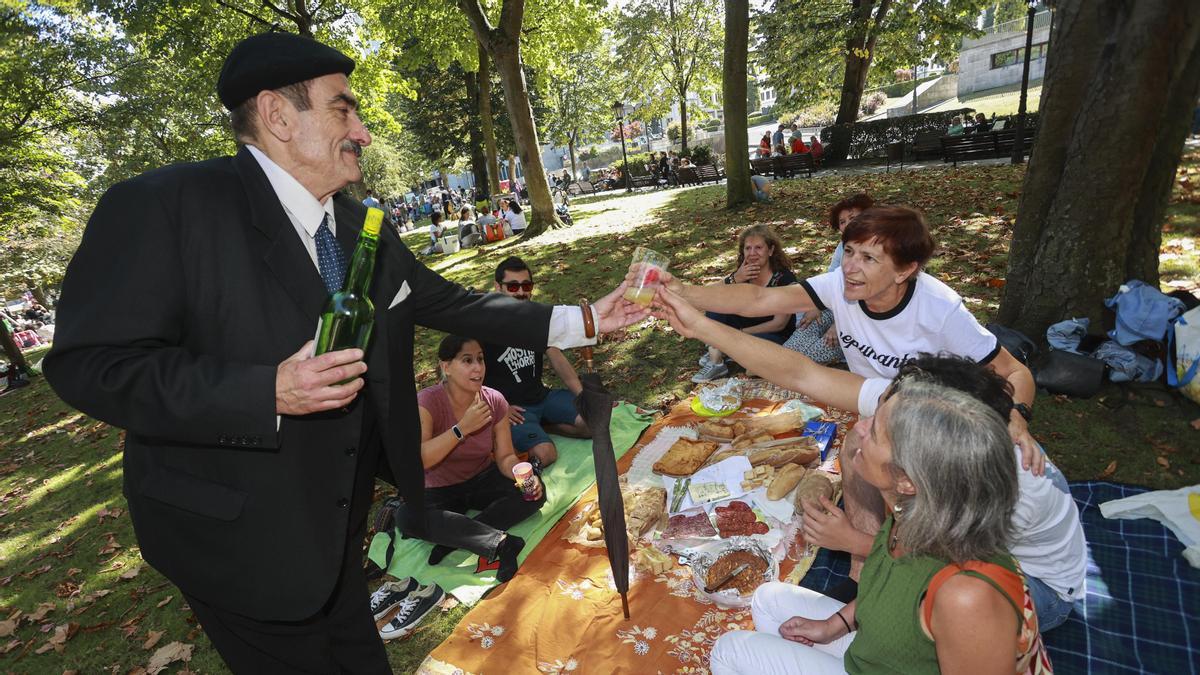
(1018, 155)
(619, 111)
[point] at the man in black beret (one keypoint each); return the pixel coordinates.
(186, 317)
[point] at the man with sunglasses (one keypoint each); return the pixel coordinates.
(533, 408)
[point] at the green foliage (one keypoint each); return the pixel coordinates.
(804, 43)
(677, 42)
(579, 96)
(674, 129)
(710, 125)
(700, 154)
(870, 139)
(816, 115)
(755, 120)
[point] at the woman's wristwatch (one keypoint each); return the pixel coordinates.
(457, 432)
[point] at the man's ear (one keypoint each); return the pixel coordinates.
(276, 115)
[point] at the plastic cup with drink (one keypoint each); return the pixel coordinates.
(649, 265)
(526, 480)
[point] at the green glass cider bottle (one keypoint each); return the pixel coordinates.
(349, 314)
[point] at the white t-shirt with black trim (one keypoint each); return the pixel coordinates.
(930, 318)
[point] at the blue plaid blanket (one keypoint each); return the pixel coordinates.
(1142, 609)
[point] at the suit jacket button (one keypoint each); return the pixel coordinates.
(343, 503)
(350, 452)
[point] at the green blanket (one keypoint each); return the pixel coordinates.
(566, 480)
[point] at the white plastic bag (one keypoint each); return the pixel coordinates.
(1186, 336)
(1178, 510)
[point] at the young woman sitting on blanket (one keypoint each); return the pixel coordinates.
(762, 262)
(815, 335)
(939, 593)
(466, 446)
(1047, 536)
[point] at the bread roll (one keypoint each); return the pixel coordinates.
(787, 479)
(812, 486)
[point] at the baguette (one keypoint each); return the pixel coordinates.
(802, 452)
(787, 479)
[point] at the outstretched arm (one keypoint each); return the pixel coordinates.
(784, 367)
(741, 299)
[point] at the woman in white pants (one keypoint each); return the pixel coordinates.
(766, 650)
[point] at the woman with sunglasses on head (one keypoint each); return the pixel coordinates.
(467, 450)
(761, 262)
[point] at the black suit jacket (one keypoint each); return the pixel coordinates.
(189, 288)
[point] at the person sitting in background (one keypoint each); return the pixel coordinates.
(435, 232)
(956, 126)
(779, 151)
(765, 144)
(469, 233)
(817, 150)
(797, 140)
(939, 592)
(517, 373)
(982, 124)
(815, 335)
(685, 161)
(761, 261)
(467, 450)
(762, 188)
(513, 216)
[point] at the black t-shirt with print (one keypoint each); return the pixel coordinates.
(514, 372)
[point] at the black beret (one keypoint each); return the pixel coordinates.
(275, 60)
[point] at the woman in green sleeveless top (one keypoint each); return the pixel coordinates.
(943, 462)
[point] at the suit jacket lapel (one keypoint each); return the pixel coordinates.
(285, 255)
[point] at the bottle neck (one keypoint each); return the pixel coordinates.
(362, 265)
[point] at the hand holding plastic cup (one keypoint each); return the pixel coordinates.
(648, 266)
(526, 480)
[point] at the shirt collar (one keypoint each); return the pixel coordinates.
(300, 204)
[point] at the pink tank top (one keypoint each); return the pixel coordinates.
(474, 453)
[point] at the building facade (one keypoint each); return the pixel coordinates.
(996, 58)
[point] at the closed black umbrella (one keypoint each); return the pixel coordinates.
(595, 406)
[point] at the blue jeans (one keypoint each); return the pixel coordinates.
(557, 408)
(1051, 609)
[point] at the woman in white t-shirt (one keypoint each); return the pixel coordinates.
(512, 214)
(885, 308)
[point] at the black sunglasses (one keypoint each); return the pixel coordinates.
(514, 286)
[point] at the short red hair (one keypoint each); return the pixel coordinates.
(902, 232)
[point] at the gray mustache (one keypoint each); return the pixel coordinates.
(351, 146)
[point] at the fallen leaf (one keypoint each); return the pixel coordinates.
(12, 644)
(164, 601)
(7, 627)
(152, 638)
(131, 572)
(175, 651)
(1162, 461)
(137, 671)
(1108, 470)
(40, 613)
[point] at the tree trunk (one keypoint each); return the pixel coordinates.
(475, 135)
(571, 149)
(738, 190)
(682, 123)
(1119, 70)
(485, 118)
(16, 359)
(860, 50)
(516, 99)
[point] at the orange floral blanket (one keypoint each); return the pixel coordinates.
(562, 614)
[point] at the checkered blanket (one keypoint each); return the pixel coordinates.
(1139, 591)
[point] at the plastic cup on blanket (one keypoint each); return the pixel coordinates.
(526, 480)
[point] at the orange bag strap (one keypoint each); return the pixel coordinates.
(1005, 580)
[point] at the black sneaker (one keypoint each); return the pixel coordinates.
(390, 595)
(412, 609)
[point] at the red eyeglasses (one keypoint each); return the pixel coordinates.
(514, 286)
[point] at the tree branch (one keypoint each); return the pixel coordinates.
(512, 12)
(479, 22)
(244, 13)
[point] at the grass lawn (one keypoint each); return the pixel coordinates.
(73, 586)
(999, 101)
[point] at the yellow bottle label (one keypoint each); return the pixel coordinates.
(373, 221)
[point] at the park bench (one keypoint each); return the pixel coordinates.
(707, 172)
(644, 180)
(789, 165)
(969, 146)
(686, 175)
(763, 166)
(927, 144)
(581, 187)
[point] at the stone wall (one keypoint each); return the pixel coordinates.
(975, 70)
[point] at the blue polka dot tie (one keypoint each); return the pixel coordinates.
(331, 259)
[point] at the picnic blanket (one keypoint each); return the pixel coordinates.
(561, 613)
(1142, 608)
(463, 574)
